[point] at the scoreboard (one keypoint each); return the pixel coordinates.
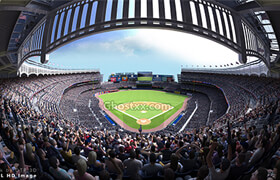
(145, 76)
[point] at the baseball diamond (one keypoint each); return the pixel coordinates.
(143, 110)
(149, 108)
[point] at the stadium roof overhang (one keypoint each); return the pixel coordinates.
(265, 17)
(22, 20)
(17, 19)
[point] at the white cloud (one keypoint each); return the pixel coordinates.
(116, 44)
(185, 48)
(121, 45)
(180, 47)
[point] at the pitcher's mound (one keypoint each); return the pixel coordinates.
(143, 121)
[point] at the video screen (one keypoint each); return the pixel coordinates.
(145, 76)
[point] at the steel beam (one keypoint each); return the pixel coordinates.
(6, 66)
(20, 8)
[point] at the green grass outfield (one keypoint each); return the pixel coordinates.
(145, 78)
(111, 100)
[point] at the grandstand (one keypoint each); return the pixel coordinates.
(221, 123)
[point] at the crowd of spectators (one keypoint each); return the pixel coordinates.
(217, 99)
(43, 93)
(59, 149)
(242, 92)
(44, 145)
(201, 116)
(70, 100)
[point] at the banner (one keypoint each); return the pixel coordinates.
(113, 79)
(124, 78)
(169, 79)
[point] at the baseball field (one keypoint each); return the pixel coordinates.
(150, 108)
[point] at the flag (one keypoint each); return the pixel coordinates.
(231, 64)
(237, 62)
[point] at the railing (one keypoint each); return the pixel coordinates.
(256, 67)
(30, 67)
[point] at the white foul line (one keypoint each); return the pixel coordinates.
(126, 113)
(187, 122)
(160, 113)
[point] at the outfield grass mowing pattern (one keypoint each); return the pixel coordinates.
(111, 100)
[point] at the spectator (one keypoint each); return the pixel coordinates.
(44, 161)
(275, 173)
(95, 166)
(29, 154)
(113, 164)
(80, 173)
(238, 168)
(258, 152)
(224, 167)
(122, 156)
(77, 155)
(191, 162)
(166, 152)
(201, 174)
(169, 174)
(244, 150)
(56, 171)
(174, 164)
(132, 165)
(259, 174)
(65, 153)
(152, 168)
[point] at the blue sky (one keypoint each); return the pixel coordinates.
(133, 50)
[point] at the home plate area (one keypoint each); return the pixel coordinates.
(143, 112)
(143, 121)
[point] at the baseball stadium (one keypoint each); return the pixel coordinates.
(140, 89)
